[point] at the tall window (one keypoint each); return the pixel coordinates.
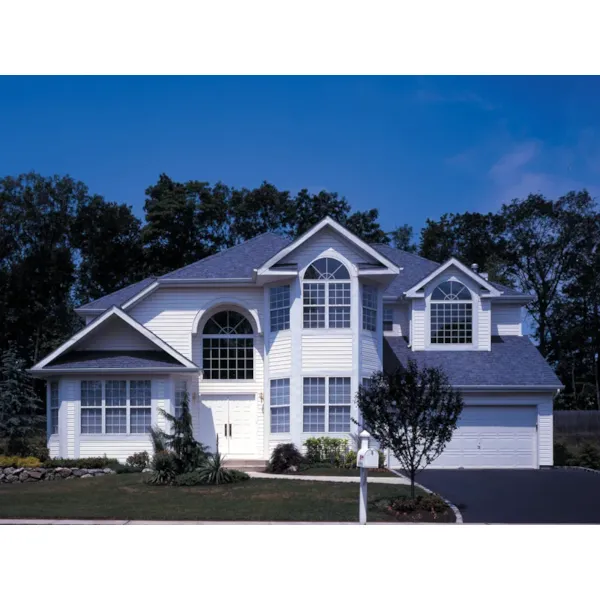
(54, 404)
(369, 308)
(280, 307)
(280, 405)
(388, 319)
(116, 407)
(180, 392)
(451, 314)
(327, 407)
(228, 347)
(326, 304)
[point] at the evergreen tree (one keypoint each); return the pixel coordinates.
(20, 407)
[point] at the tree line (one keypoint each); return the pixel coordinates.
(62, 245)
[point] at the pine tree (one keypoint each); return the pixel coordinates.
(21, 415)
(189, 453)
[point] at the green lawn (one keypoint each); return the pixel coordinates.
(127, 497)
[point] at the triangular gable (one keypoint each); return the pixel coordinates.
(94, 329)
(417, 292)
(368, 251)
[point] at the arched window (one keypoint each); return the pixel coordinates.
(326, 302)
(451, 314)
(228, 347)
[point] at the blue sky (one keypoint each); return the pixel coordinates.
(413, 147)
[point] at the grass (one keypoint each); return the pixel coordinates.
(127, 497)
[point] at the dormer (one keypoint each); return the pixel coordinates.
(451, 310)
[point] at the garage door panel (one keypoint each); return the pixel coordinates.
(492, 437)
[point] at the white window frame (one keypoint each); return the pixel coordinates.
(369, 307)
(54, 407)
(279, 307)
(449, 303)
(275, 386)
(327, 305)
(103, 406)
(327, 404)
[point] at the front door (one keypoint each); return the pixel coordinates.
(230, 421)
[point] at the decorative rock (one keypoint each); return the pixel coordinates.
(107, 470)
(147, 470)
(23, 475)
(86, 475)
(10, 478)
(2, 476)
(79, 472)
(36, 475)
(9, 470)
(18, 471)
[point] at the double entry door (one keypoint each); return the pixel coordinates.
(230, 421)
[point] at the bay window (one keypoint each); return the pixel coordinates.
(327, 403)
(280, 405)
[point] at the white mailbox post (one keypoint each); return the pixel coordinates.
(366, 458)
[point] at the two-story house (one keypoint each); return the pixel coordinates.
(272, 338)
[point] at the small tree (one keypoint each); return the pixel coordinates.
(412, 412)
(21, 415)
(188, 452)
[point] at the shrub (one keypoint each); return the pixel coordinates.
(95, 462)
(30, 462)
(562, 455)
(326, 449)
(238, 476)
(120, 469)
(285, 457)
(190, 478)
(349, 460)
(403, 506)
(199, 477)
(139, 459)
(164, 469)
(589, 456)
(213, 471)
(381, 459)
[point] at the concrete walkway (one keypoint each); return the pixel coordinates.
(395, 480)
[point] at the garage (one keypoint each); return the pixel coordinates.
(493, 437)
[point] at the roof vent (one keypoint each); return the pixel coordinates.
(475, 267)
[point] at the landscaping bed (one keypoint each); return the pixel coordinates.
(127, 497)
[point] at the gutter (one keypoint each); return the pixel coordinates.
(49, 372)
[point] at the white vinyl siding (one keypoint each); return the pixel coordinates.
(483, 324)
(118, 446)
(506, 319)
(170, 313)
(326, 352)
(418, 324)
(369, 354)
(280, 354)
(546, 433)
(115, 334)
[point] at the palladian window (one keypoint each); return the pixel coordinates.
(228, 347)
(326, 295)
(451, 314)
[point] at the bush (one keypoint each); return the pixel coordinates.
(349, 460)
(120, 469)
(562, 455)
(199, 477)
(190, 478)
(403, 506)
(238, 476)
(96, 462)
(213, 471)
(164, 469)
(589, 456)
(139, 459)
(30, 462)
(326, 449)
(285, 457)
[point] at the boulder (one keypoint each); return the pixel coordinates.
(18, 471)
(36, 474)
(147, 470)
(79, 472)
(64, 472)
(11, 478)
(23, 475)
(9, 470)
(2, 476)
(86, 475)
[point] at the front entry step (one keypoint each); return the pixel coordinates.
(253, 465)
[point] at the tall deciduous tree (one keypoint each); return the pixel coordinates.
(412, 412)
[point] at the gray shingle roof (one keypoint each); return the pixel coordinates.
(417, 268)
(121, 359)
(512, 361)
(236, 262)
(240, 261)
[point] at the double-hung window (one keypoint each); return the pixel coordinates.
(54, 404)
(279, 303)
(369, 307)
(280, 405)
(326, 304)
(180, 392)
(451, 310)
(388, 319)
(327, 403)
(116, 407)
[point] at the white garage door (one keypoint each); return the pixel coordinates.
(492, 437)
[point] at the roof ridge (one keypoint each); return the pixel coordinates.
(221, 252)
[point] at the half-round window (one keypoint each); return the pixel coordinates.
(327, 268)
(451, 314)
(326, 303)
(228, 347)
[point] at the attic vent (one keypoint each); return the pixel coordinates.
(475, 267)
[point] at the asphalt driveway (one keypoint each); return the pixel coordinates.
(519, 496)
